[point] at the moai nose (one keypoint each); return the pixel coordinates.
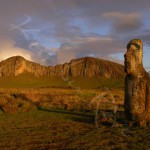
(124, 55)
(127, 57)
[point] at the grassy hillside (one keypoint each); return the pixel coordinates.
(30, 81)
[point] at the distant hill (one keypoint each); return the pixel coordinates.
(87, 72)
(82, 67)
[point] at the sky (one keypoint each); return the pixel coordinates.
(51, 32)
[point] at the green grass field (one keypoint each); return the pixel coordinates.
(14, 100)
(26, 126)
(55, 129)
(30, 81)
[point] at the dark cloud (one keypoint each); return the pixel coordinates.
(96, 46)
(74, 28)
(124, 23)
(145, 36)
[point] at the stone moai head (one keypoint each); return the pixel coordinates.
(133, 56)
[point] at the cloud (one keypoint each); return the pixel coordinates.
(8, 49)
(70, 28)
(41, 54)
(124, 23)
(95, 46)
(145, 35)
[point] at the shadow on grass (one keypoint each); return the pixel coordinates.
(81, 119)
(84, 117)
(74, 116)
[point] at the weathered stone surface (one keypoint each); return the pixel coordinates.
(83, 67)
(137, 85)
(17, 65)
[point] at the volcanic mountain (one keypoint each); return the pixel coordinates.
(82, 67)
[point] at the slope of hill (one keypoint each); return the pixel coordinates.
(82, 67)
(17, 72)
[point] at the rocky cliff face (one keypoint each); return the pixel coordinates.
(16, 65)
(83, 67)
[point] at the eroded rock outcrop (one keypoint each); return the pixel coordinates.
(82, 67)
(137, 85)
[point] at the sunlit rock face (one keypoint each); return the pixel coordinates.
(14, 66)
(137, 85)
(82, 67)
(18, 65)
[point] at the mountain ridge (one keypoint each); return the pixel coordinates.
(81, 67)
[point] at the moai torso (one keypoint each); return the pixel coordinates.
(135, 97)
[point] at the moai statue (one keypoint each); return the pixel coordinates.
(137, 85)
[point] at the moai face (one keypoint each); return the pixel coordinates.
(133, 56)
